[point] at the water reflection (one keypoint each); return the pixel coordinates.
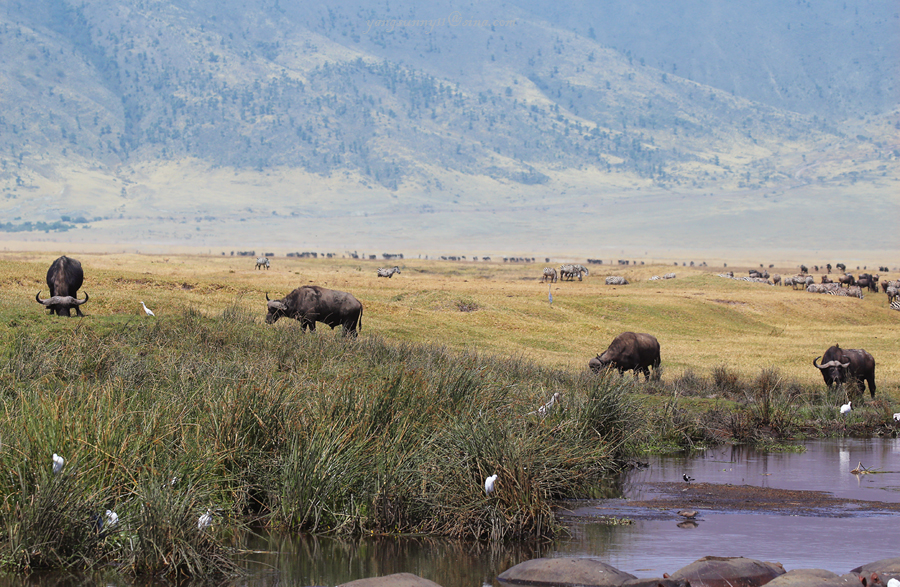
(824, 466)
(310, 560)
(647, 548)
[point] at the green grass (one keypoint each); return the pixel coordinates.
(390, 433)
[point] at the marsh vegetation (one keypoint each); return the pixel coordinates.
(206, 408)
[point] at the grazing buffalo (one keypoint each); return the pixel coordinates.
(630, 351)
(840, 366)
(64, 278)
(60, 304)
(310, 304)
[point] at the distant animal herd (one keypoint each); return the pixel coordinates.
(629, 351)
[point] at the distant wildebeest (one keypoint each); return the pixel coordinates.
(845, 365)
(616, 280)
(60, 304)
(384, 272)
(310, 304)
(262, 262)
(847, 279)
(826, 279)
(804, 269)
(630, 351)
(64, 278)
(867, 282)
(549, 273)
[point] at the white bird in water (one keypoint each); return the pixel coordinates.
(147, 310)
(489, 484)
(112, 519)
(58, 463)
(845, 408)
(205, 520)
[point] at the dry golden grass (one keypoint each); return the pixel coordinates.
(700, 319)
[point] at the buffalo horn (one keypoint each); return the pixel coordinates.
(37, 297)
(79, 302)
(276, 304)
(267, 296)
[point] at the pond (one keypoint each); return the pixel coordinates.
(834, 537)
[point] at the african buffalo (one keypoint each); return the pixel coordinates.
(64, 278)
(310, 304)
(630, 351)
(843, 365)
(60, 304)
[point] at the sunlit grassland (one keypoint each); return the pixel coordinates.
(700, 319)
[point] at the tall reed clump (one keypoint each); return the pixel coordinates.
(163, 420)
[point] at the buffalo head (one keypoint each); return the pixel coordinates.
(277, 309)
(62, 305)
(833, 371)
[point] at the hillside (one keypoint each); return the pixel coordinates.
(124, 119)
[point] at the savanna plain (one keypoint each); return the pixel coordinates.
(206, 409)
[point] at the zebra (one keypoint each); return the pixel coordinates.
(549, 273)
(581, 269)
(670, 276)
(616, 280)
(895, 305)
(854, 291)
(566, 271)
(892, 293)
(262, 262)
(382, 272)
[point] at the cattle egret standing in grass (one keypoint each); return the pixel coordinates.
(845, 408)
(58, 463)
(489, 484)
(147, 310)
(112, 519)
(545, 409)
(205, 520)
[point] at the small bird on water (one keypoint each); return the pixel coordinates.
(147, 310)
(688, 514)
(687, 479)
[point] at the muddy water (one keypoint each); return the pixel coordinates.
(658, 540)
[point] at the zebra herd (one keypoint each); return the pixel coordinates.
(565, 272)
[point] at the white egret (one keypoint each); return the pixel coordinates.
(545, 409)
(112, 519)
(489, 484)
(894, 582)
(686, 478)
(58, 463)
(147, 310)
(205, 520)
(897, 419)
(845, 408)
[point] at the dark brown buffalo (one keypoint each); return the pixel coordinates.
(310, 304)
(840, 366)
(630, 351)
(64, 278)
(60, 304)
